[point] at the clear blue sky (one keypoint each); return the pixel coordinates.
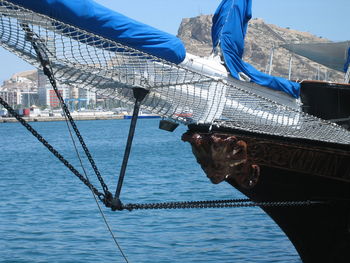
(329, 19)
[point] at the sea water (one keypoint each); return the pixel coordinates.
(48, 215)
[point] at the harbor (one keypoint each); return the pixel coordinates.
(48, 116)
(61, 118)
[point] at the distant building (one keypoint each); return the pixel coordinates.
(29, 99)
(47, 96)
(46, 93)
(20, 83)
(43, 84)
(89, 95)
(13, 98)
(33, 88)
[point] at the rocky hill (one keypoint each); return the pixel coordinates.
(261, 38)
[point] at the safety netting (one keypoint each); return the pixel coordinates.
(86, 60)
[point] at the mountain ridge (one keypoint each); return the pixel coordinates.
(261, 37)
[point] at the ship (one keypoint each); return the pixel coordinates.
(284, 144)
(142, 115)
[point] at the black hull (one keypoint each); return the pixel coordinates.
(328, 101)
(291, 170)
(320, 233)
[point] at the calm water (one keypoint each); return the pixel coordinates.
(47, 215)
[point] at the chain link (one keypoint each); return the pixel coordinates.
(49, 74)
(107, 198)
(166, 205)
(218, 204)
(42, 54)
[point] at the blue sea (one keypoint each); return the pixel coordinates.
(48, 215)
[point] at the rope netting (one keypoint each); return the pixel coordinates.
(85, 60)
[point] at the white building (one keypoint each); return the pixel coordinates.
(48, 97)
(29, 99)
(13, 98)
(20, 83)
(46, 93)
(89, 95)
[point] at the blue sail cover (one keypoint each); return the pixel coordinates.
(347, 63)
(229, 28)
(95, 18)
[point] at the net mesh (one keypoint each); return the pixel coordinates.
(88, 61)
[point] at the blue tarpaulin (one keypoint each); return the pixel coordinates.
(229, 28)
(95, 18)
(346, 66)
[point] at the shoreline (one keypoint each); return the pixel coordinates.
(59, 118)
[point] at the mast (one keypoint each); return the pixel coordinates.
(290, 67)
(271, 59)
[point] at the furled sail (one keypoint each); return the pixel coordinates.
(188, 90)
(230, 24)
(97, 19)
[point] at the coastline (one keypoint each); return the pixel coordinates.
(61, 118)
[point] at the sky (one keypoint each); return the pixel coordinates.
(329, 19)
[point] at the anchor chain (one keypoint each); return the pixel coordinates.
(42, 54)
(106, 199)
(219, 204)
(49, 74)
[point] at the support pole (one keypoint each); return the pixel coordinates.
(290, 67)
(139, 95)
(271, 59)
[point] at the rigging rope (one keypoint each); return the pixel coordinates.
(99, 64)
(42, 54)
(45, 63)
(93, 194)
(168, 205)
(40, 50)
